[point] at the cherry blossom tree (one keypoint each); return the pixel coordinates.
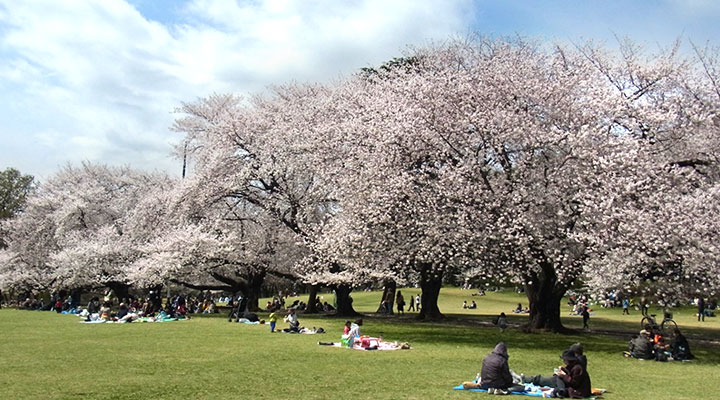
(252, 181)
(505, 156)
(659, 231)
(72, 232)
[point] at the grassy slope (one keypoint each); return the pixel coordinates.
(52, 356)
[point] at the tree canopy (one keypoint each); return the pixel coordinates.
(507, 160)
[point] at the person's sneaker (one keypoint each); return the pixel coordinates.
(500, 391)
(491, 391)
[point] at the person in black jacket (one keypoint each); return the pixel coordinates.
(495, 374)
(574, 376)
(701, 309)
(577, 348)
(555, 381)
(641, 347)
(680, 347)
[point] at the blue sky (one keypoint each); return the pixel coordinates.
(98, 80)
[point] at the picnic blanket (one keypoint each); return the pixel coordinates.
(531, 390)
(139, 319)
(381, 346)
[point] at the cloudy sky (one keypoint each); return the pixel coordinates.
(98, 80)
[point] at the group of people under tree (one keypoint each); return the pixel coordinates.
(654, 345)
(413, 303)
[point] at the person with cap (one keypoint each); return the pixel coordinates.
(577, 348)
(574, 376)
(554, 381)
(641, 347)
(495, 375)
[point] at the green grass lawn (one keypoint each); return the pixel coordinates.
(50, 356)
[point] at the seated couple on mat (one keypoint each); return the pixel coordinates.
(570, 381)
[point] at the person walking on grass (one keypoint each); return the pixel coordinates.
(400, 300)
(417, 302)
(701, 309)
(586, 317)
(502, 322)
(626, 306)
(411, 304)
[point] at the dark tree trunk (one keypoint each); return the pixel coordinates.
(75, 295)
(545, 294)
(312, 300)
(389, 294)
(252, 292)
(344, 301)
(430, 283)
(121, 290)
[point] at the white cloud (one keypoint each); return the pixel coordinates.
(98, 80)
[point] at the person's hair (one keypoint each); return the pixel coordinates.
(502, 314)
(347, 322)
(358, 321)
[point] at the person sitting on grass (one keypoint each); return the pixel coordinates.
(472, 305)
(641, 347)
(680, 347)
(122, 311)
(554, 381)
(574, 377)
(519, 309)
(105, 312)
(292, 320)
(495, 374)
(94, 305)
(354, 332)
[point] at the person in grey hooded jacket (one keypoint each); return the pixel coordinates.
(495, 373)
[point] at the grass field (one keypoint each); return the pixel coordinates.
(50, 356)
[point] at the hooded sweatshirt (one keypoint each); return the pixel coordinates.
(495, 371)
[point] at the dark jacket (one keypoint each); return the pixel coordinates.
(495, 371)
(681, 348)
(640, 347)
(577, 381)
(577, 348)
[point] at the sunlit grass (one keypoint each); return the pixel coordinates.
(51, 356)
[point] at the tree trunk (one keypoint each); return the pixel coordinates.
(121, 290)
(312, 299)
(254, 286)
(344, 301)
(389, 294)
(430, 283)
(545, 295)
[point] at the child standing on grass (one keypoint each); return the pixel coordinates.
(272, 318)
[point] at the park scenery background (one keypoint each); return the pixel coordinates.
(54, 356)
(344, 153)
